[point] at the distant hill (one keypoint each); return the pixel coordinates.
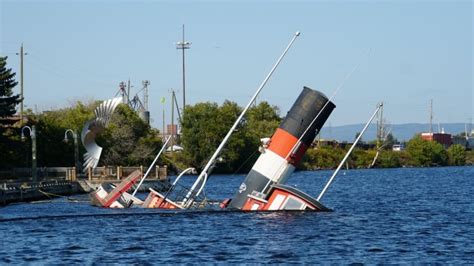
(402, 132)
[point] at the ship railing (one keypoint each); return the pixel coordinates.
(180, 194)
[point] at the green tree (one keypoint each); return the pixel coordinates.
(457, 155)
(51, 126)
(204, 125)
(201, 132)
(12, 151)
(389, 141)
(426, 153)
(322, 158)
(8, 101)
(263, 119)
(361, 158)
(470, 157)
(389, 159)
(128, 140)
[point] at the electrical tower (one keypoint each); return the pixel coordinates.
(145, 94)
(135, 103)
(123, 92)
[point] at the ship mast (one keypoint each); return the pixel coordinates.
(188, 200)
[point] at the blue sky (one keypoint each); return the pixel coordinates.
(81, 50)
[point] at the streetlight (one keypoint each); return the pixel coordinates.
(32, 130)
(76, 147)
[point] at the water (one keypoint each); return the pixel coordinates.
(380, 216)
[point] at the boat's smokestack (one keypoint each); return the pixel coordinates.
(278, 161)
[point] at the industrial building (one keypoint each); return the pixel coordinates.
(442, 138)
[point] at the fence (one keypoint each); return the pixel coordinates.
(120, 172)
(42, 173)
(70, 173)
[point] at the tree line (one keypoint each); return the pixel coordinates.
(418, 153)
(126, 141)
(129, 141)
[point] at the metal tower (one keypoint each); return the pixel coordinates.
(183, 45)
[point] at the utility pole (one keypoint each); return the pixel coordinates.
(465, 132)
(183, 45)
(470, 124)
(163, 133)
(431, 116)
(128, 91)
(177, 110)
(381, 137)
(172, 120)
(21, 82)
(380, 127)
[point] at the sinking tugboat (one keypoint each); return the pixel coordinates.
(110, 196)
(264, 187)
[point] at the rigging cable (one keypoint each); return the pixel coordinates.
(329, 100)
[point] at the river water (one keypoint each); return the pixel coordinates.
(380, 216)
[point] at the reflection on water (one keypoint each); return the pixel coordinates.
(380, 216)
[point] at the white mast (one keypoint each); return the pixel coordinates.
(349, 152)
(151, 166)
(203, 176)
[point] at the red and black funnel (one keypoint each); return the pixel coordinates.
(276, 163)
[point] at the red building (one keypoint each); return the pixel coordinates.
(172, 129)
(442, 138)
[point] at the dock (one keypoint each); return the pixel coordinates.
(68, 183)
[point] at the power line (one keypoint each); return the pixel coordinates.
(73, 69)
(66, 75)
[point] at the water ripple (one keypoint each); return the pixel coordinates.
(391, 216)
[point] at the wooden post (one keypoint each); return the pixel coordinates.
(74, 173)
(141, 170)
(118, 173)
(157, 172)
(163, 172)
(4, 201)
(89, 173)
